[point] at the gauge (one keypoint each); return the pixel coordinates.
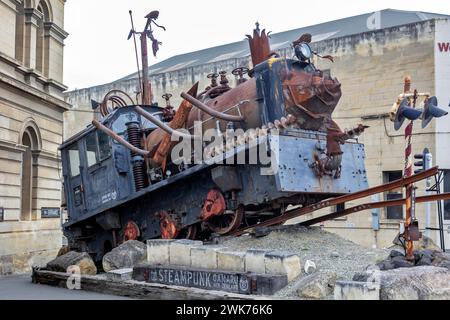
(303, 52)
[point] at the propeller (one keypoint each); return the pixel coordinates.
(432, 111)
(405, 112)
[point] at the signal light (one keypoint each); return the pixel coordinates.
(425, 162)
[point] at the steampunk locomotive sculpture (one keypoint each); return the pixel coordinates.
(123, 180)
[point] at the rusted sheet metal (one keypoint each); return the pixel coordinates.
(210, 111)
(312, 98)
(344, 199)
(162, 140)
(161, 124)
(259, 45)
(230, 103)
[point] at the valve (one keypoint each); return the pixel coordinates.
(223, 79)
(213, 77)
(240, 72)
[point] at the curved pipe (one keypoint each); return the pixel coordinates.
(211, 112)
(119, 139)
(163, 126)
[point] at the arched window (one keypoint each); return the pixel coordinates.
(30, 139)
(42, 46)
(20, 32)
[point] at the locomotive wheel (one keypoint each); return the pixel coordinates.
(189, 233)
(227, 223)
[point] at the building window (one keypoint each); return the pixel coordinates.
(20, 30)
(447, 189)
(42, 45)
(339, 208)
(30, 140)
(393, 213)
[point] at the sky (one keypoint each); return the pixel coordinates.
(97, 50)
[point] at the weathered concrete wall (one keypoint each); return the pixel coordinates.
(372, 68)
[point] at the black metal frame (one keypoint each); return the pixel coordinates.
(439, 179)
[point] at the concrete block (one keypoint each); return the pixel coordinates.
(283, 263)
(231, 261)
(255, 261)
(180, 252)
(158, 252)
(120, 275)
(352, 290)
(204, 257)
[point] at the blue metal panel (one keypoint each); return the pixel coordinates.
(295, 175)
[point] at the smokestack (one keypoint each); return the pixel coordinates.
(259, 45)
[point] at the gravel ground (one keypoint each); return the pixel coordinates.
(328, 251)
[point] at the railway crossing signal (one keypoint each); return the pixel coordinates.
(425, 163)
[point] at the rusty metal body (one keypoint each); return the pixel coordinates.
(136, 190)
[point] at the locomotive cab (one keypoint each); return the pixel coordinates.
(97, 169)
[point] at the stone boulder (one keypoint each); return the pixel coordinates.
(426, 243)
(127, 255)
(316, 286)
(418, 283)
(424, 257)
(73, 259)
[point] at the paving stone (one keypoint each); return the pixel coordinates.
(158, 252)
(283, 263)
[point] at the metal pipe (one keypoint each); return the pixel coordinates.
(119, 139)
(163, 126)
(146, 86)
(411, 95)
(210, 111)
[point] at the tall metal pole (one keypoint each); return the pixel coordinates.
(146, 86)
(428, 162)
(136, 51)
(410, 205)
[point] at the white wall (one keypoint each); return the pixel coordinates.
(442, 74)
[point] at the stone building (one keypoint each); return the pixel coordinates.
(373, 53)
(31, 129)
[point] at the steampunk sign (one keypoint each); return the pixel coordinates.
(239, 283)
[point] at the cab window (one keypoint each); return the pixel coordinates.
(104, 145)
(98, 148)
(91, 149)
(74, 160)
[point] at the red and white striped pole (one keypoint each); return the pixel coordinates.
(410, 205)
